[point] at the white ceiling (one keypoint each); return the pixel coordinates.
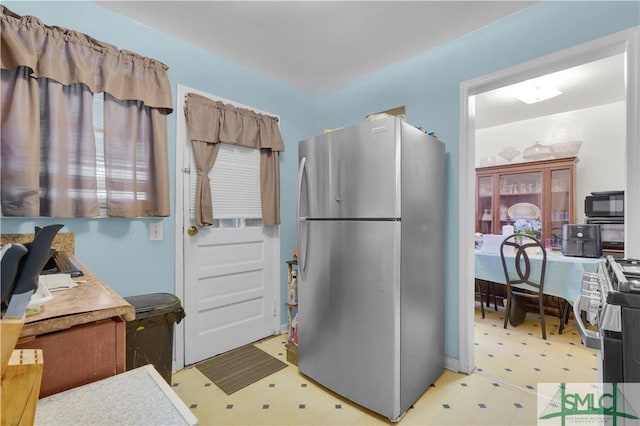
(595, 83)
(318, 46)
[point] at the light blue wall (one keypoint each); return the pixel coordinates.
(119, 250)
(428, 84)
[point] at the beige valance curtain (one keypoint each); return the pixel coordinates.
(70, 57)
(211, 123)
(48, 163)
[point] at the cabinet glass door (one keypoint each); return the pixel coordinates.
(521, 202)
(560, 205)
(484, 206)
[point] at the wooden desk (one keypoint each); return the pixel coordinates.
(563, 275)
(82, 334)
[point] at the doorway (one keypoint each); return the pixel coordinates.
(625, 43)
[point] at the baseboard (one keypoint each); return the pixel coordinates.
(452, 364)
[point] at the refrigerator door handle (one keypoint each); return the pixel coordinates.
(302, 253)
(302, 172)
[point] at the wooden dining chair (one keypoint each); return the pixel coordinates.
(523, 277)
(485, 295)
(481, 294)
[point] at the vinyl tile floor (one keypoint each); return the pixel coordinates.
(502, 390)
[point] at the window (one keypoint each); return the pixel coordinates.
(213, 123)
(87, 136)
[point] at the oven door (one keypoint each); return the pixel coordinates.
(588, 305)
(590, 338)
(611, 232)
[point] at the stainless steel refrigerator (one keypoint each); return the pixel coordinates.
(370, 230)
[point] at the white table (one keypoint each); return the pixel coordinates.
(136, 397)
(563, 277)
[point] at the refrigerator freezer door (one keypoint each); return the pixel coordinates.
(353, 172)
(348, 317)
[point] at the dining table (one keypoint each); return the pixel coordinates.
(563, 276)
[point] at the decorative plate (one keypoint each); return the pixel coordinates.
(524, 211)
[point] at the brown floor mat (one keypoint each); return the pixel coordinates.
(233, 370)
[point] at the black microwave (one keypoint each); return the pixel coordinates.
(604, 204)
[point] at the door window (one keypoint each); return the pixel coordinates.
(235, 187)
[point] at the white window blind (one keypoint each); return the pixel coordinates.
(235, 183)
(98, 130)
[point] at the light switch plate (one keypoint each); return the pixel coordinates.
(155, 231)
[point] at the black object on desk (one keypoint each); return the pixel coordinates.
(19, 285)
(60, 263)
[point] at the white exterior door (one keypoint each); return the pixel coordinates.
(229, 290)
(230, 271)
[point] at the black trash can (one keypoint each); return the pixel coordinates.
(150, 335)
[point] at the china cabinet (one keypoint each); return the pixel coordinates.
(537, 197)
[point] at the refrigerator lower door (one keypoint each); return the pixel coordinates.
(349, 311)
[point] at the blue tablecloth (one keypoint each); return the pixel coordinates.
(563, 277)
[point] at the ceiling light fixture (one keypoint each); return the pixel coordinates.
(536, 93)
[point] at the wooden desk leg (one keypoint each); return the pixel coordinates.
(121, 346)
(21, 387)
